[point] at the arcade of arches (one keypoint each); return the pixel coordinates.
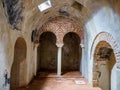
(73, 45)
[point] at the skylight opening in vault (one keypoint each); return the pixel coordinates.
(45, 5)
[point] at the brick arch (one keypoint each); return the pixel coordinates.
(104, 36)
(108, 38)
(61, 26)
(73, 33)
(51, 32)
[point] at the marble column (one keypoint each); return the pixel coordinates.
(59, 59)
(82, 68)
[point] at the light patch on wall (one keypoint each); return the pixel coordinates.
(3, 67)
(45, 5)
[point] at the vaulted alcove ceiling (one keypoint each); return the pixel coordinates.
(80, 10)
(67, 8)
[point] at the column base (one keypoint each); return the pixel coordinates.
(59, 76)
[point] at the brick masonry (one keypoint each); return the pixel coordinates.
(60, 26)
(104, 36)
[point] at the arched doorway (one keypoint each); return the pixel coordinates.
(18, 70)
(71, 52)
(47, 52)
(104, 61)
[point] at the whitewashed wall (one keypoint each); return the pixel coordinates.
(104, 20)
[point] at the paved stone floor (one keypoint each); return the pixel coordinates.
(49, 81)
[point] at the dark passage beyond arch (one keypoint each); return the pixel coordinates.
(71, 52)
(47, 52)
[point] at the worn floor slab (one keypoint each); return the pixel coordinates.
(50, 81)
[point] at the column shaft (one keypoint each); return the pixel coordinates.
(59, 61)
(82, 60)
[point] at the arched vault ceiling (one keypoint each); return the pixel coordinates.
(33, 18)
(38, 18)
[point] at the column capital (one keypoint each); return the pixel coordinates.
(59, 45)
(82, 45)
(36, 44)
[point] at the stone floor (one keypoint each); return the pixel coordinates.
(49, 81)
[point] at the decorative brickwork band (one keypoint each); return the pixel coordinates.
(60, 26)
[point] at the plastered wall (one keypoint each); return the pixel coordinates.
(106, 20)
